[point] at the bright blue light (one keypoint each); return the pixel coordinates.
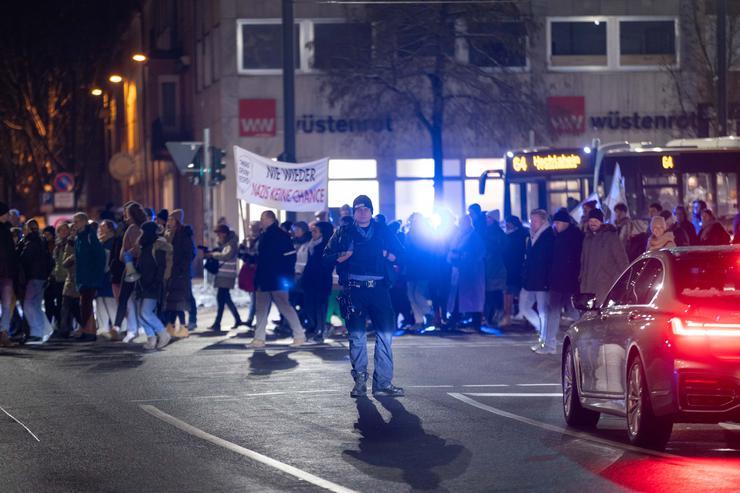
(587, 150)
(510, 154)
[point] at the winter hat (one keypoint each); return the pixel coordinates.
(596, 214)
(362, 201)
(222, 228)
(179, 215)
(163, 215)
(562, 216)
(4, 209)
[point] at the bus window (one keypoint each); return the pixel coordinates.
(515, 199)
(662, 189)
(559, 191)
(533, 198)
(698, 186)
(726, 194)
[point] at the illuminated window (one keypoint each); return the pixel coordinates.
(476, 167)
(344, 192)
(492, 199)
(453, 197)
(414, 196)
(415, 168)
(342, 169)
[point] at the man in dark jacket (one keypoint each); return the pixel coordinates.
(36, 264)
(273, 278)
(8, 273)
(683, 223)
(536, 274)
(89, 270)
(564, 271)
(364, 253)
(515, 247)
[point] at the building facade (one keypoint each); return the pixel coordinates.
(636, 70)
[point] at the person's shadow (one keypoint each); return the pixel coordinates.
(401, 450)
(261, 363)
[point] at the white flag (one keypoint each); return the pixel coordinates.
(616, 192)
(577, 212)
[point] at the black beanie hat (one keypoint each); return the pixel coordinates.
(562, 216)
(596, 214)
(4, 209)
(164, 214)
(362, 200)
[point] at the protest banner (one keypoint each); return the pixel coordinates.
(296, 187)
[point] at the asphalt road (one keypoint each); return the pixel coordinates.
(482, 413)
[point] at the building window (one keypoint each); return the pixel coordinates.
(647, 42)
(578, 43)
(349, 178)
(338, 45)
(494, 197)
(497, 44)
(414, 196)
(260, 46)
(169, 102)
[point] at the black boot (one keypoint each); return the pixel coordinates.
(389, 391)
(360, 388)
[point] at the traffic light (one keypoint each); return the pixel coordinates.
(195, 170)
(218, 163)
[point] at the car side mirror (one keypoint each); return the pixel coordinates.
(584, 301)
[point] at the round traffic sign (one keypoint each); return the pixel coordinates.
(64, 182)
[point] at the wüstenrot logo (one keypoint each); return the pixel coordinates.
(257, 118)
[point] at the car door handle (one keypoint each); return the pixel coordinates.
(633, 315)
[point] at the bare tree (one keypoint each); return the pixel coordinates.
(444, 64)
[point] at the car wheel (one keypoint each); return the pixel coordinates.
(575, 414)
(644, 428)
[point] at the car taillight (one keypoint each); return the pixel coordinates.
(700, 329)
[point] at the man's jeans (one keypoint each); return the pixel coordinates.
(375, 303)
(6, 296)
(32, 307)
(537, 318)
(556, 302)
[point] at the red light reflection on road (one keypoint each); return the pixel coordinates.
(653, 475)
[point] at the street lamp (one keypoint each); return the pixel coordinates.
(96, 92)
(139, 57)
(115, 78)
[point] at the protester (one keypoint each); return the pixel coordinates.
(654, 209)
(55, 282)
(679, 235)
(105, 302)
(588, 206)
(624, 224)
(468, 280)
(179, 288)
(8, 274)
(682, 222)
(36, 266)
(89, 270)
(536, 276)
(495, 269)
(514, 250)
(603, 257)
(697, 206)
(712, 232)
(151, 264)
(660, 237)
(274, 277)
(225, 254)
(564, 270)
(70, 295)
(417, 272)
(134, 216)
(248, 255)
(316, 280)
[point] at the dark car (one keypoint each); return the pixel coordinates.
(662, 348)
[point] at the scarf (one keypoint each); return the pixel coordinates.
(312, 244)
(535, 236)
(662, 241)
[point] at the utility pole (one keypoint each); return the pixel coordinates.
(722, 67)
(288, 82)
(207, 202)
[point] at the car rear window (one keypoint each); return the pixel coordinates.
(708, 275)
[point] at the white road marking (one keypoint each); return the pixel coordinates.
(255, 394)
(560, 430)
(513, 394)
(730, 426)
(251, 454)
(20, 423)
(538, 385)
(489, 385)
(430, 386)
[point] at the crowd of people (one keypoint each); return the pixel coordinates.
(131, 274)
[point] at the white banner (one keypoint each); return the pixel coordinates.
(297, 187)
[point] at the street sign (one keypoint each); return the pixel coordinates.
(64, 182)
(64, 200)
(183, 154)
(47, 202)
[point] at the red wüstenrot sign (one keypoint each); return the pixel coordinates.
(567, 114)
(257, 118)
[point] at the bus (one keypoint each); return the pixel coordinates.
(675, 174)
